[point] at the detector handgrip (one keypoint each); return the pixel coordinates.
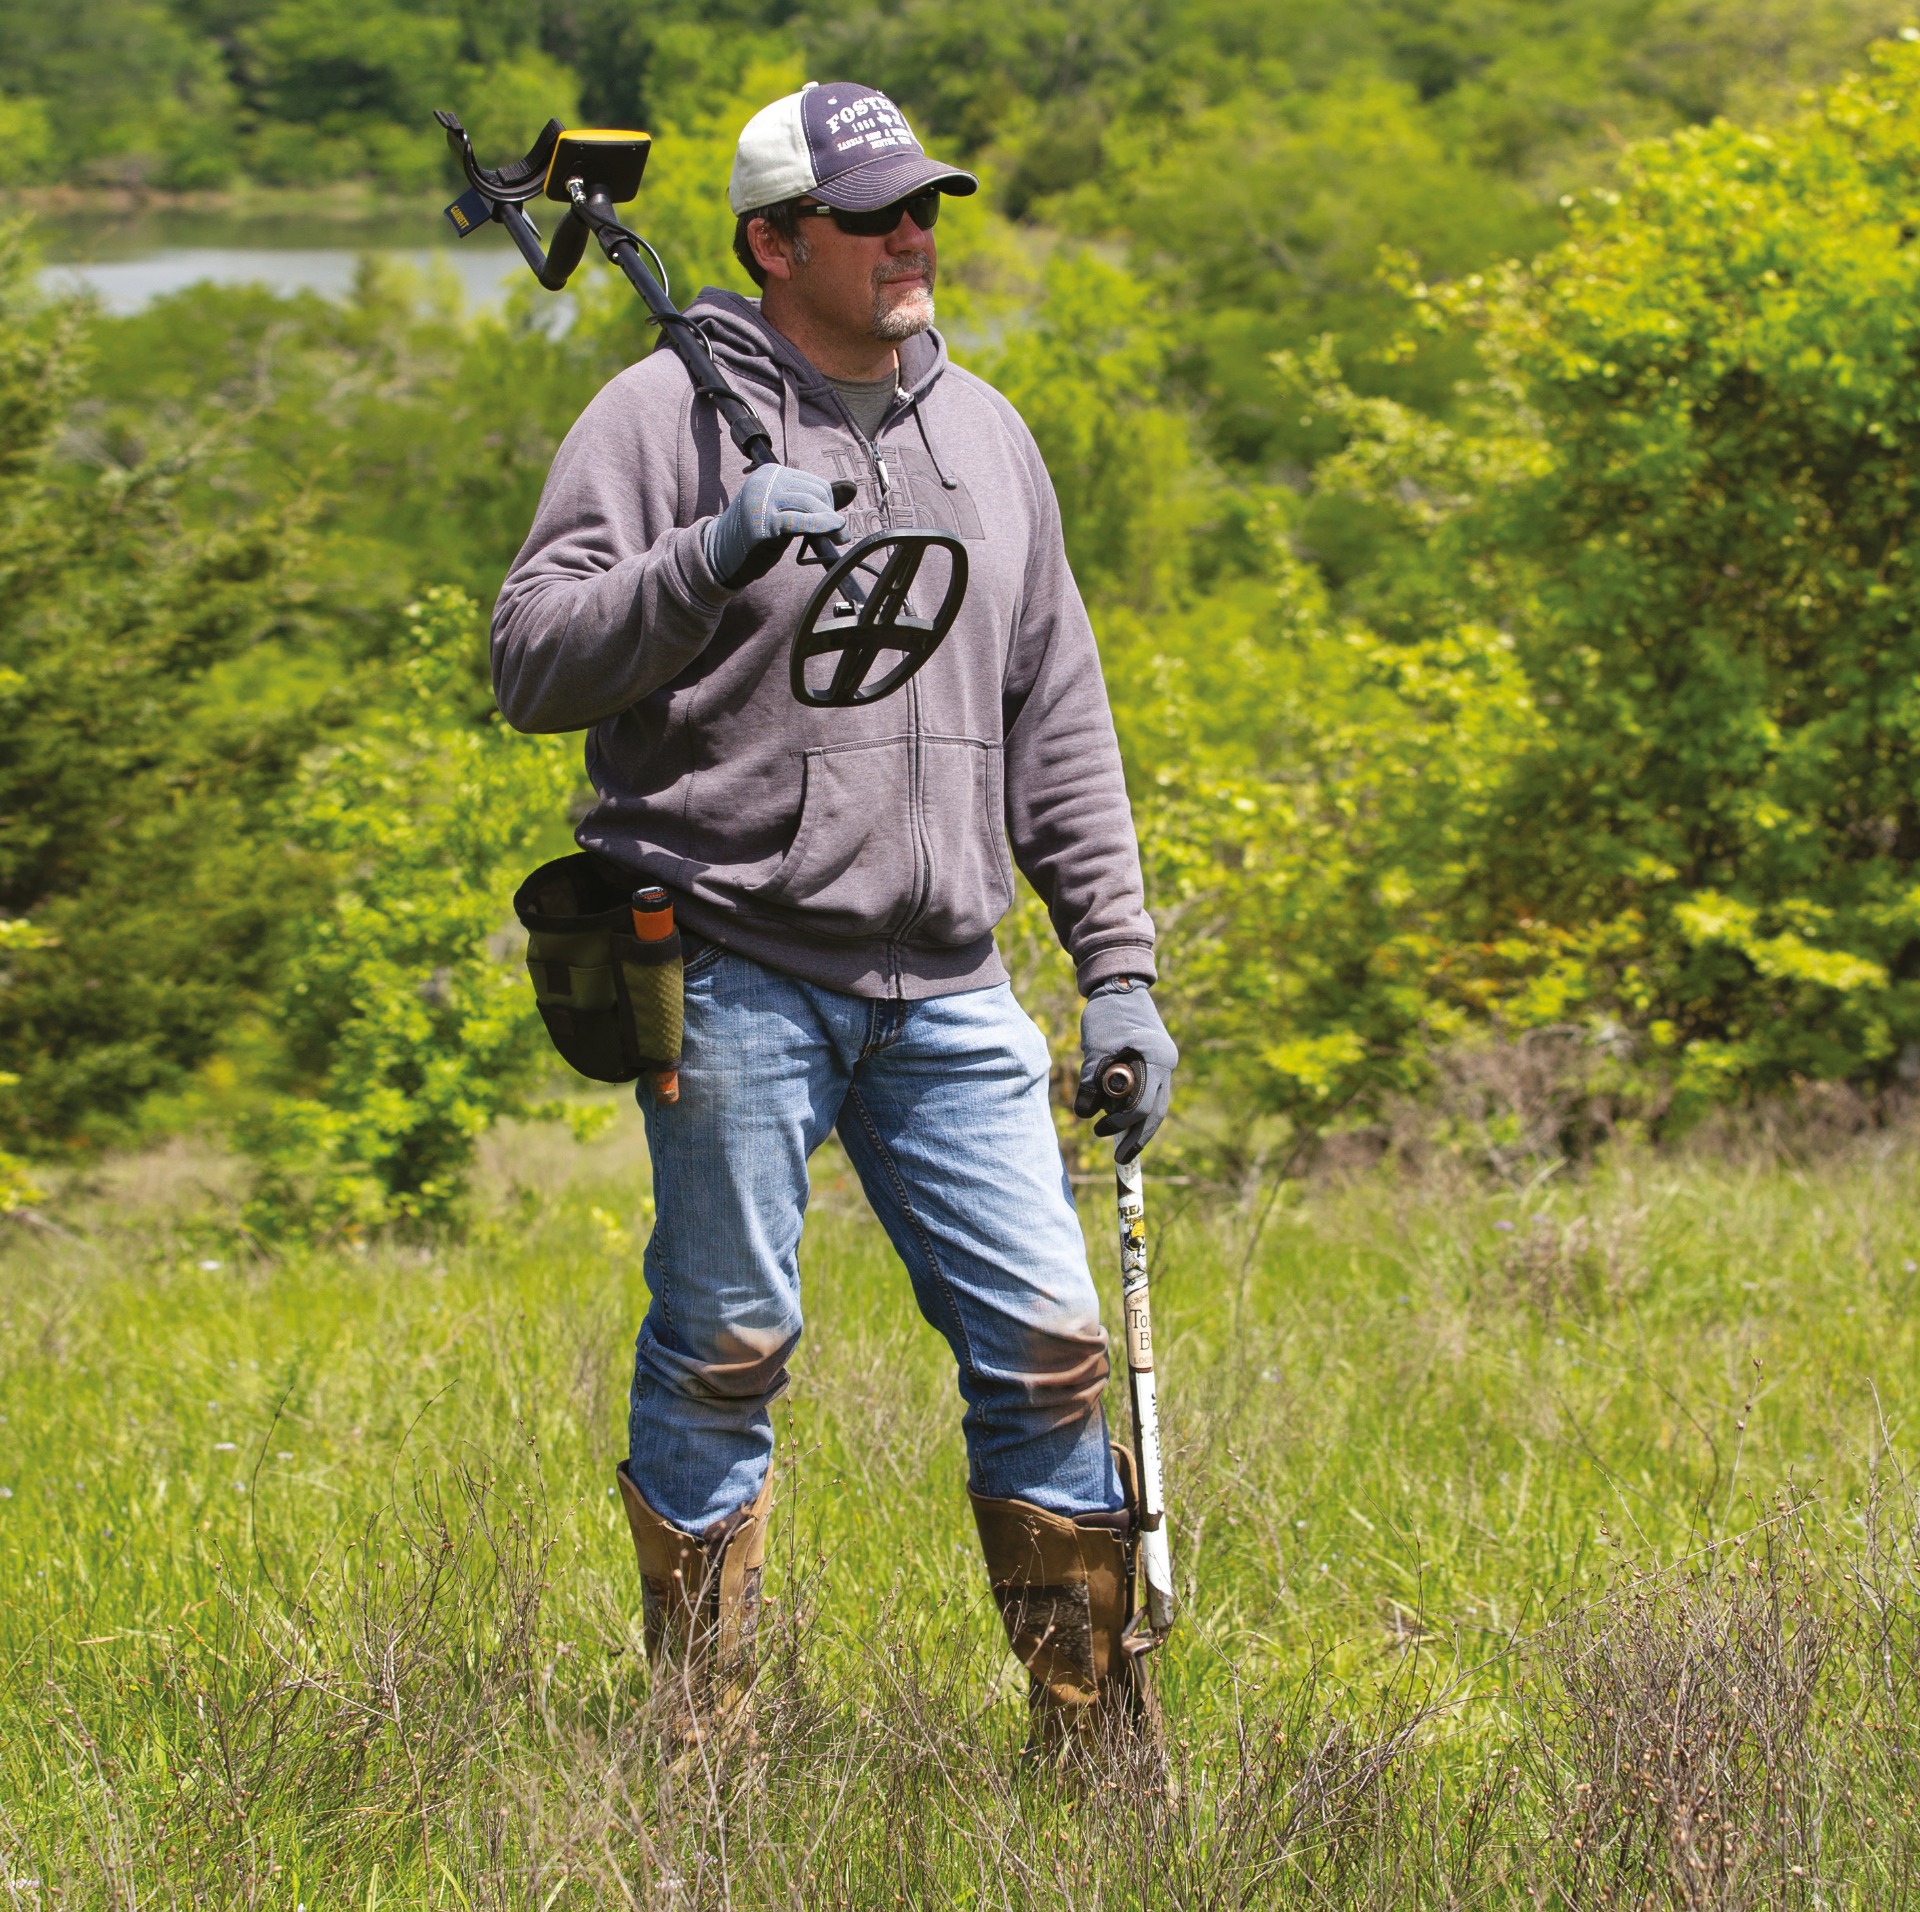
(569, 247)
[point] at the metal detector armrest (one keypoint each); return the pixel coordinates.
(563, 166)
(514, 184)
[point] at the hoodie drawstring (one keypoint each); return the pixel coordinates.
(789, 372)
(933, 457)
(789, 417)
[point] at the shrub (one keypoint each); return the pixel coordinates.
(1614, 724)
(409, 1026)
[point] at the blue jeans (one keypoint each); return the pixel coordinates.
(941, 1106)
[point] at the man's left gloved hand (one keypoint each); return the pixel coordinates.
(1120, 1020)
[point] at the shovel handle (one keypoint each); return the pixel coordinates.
(1120, 1084)
(1155, 1563)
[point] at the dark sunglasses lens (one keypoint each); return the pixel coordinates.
(922, 208)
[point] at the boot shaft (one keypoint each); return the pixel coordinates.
(1066, 1591)
(700, 1598)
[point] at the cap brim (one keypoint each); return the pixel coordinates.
(881, 181)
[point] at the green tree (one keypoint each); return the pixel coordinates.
(119, 92)
(129, 786)
(1690, 500)
(348, 86)
(1300, 198)
(1090, 374)
(407, 1028)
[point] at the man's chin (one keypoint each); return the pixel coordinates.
(905, 318)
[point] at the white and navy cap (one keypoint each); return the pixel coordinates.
(842, 144)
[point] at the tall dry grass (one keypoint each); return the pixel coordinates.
(1542, 1546)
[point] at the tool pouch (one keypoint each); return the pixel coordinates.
(613, 1005)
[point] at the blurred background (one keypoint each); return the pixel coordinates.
(1485, 433)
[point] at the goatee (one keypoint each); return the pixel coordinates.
(895, 316)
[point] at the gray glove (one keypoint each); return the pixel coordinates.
(774, 505)
(1120, 1020)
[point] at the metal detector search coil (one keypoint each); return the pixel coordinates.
(860, 633)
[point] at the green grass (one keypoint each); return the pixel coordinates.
(1543, 1545)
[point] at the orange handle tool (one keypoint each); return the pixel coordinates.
(653, 923)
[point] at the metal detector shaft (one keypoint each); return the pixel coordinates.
(592, 214)
(690, 347)
(1120, 1087)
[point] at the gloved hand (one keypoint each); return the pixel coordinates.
(1121, 1020)
(774, 505)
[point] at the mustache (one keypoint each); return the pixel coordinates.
(906, 265)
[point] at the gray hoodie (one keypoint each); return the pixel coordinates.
(866, 850)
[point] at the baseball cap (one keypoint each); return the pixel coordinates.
(842, 144)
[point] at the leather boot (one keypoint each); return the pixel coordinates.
(700, 1608)
(1066, 1591)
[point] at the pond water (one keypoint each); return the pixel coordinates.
(129, 261)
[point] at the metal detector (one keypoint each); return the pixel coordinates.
(861, 614)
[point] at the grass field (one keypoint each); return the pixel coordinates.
(1541, 1545)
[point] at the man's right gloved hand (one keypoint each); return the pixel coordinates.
(773, 506)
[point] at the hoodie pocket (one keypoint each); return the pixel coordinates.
(900, 836)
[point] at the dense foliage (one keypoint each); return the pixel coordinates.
(1678, 506)
(405, 1034)
(1586, 706)
(1251, 157)
(200, 92)
(1496, 646)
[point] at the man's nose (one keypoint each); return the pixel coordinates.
(908, 237)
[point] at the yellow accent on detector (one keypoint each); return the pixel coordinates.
(622, 178)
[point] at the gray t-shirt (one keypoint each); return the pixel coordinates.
(867, 399)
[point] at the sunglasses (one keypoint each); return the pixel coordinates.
(923, 208)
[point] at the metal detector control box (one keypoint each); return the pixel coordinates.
(601, 160)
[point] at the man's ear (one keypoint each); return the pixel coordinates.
(773, 253)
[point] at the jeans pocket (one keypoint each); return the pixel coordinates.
(701, 956)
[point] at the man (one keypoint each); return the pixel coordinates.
(839, 873)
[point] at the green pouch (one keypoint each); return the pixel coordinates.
(613, 1005)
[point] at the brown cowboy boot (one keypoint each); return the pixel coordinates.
(1065, 1589)
(700, 1608)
